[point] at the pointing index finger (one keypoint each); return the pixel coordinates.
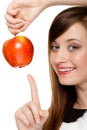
(34, 92)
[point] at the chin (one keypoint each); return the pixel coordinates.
(67, 83)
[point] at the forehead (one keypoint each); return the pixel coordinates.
(76, 31)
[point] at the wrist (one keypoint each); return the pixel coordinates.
(48, 3)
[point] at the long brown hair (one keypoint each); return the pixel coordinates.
(63, 97)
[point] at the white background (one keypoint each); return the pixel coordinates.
(14, 86)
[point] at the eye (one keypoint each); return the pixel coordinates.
(54, 47)
(73, 47)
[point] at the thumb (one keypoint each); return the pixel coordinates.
(44, 115)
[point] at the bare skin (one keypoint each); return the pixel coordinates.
(20, 14)
(30, 116)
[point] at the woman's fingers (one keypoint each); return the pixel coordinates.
(30, 116)
(12, 20)
(14, 31)
(44, 115)
(35, 112)
(14, 24)
(34, 92)
(19, 115)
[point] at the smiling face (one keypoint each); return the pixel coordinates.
(68, 56)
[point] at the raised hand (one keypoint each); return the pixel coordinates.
(30, 116)
(21, 13)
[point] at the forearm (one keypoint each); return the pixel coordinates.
(64, 2)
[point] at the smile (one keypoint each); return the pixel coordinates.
(65, 70)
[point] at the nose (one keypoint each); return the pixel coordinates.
(62, 56)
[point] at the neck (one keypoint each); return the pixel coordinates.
(81, 102)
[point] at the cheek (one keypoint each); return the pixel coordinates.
(52, 62)
(51, 59)
(81, 59)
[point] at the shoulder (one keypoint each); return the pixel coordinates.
(73, 114)
(79, 124)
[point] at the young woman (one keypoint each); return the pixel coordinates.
(20, 13)
(67, 47)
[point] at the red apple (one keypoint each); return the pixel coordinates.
(18, 51)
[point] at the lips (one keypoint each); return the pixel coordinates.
(65, 70)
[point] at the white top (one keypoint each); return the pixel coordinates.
(79, 124)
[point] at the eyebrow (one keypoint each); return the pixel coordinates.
(69, 40)
(74, 39)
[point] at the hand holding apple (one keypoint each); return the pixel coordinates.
(18, 51)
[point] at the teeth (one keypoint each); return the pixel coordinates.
(66, 69)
